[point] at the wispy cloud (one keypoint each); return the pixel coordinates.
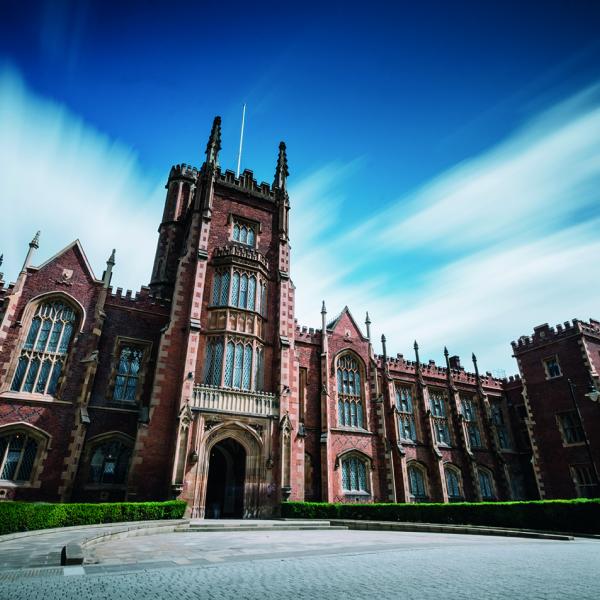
(481, 254)
(472, 259)
(64, 177)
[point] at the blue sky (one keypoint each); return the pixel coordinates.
(444, 158)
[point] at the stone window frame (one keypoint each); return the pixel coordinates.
(576, 471)
(417, 426)
(235, 219)
(27, 315)
(472, 400)
(545, 361)
(257, 367)
(562, 429)
(359, 495)
(496, 405)
(90, 447)
(44, 442)
(456, 470)
(485, 470)
(120, 342)
(437, 418)
(362, 398)
(422, 468)
(260, 297)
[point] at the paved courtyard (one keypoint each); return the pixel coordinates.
(319, 565)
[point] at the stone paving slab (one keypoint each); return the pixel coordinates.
(369, 564)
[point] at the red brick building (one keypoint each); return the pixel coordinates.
(203, 387)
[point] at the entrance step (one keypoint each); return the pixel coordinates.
(232, 528)
(258, 525)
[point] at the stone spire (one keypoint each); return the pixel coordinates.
(368, 325)
(214, 143)
(384, 348)
(110, 263)
(281, 171)
(416, 347)
(34, 244)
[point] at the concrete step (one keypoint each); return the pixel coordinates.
(234, 528)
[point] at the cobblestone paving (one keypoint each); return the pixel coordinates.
(321, 565)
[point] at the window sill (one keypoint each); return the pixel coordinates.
(7, 483)
(408, 442)
(356, 494)
(355, 430)
(32, 397)
(573, 444)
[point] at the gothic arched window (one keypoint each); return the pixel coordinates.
(109, 463)
(44, 351)
(439, 412)
(417, 482)
(238, 365)
(486, 484)
(128, 374)
(17, 456)
(406, 416)
(213, 362)
(354, 474)
(350, 401)
(453, 483)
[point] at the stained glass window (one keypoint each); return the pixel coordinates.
(17, 456)
(354, 475)
(45, 348)
(128, 373)
(416, 483)
(109, 463)
(350, 409)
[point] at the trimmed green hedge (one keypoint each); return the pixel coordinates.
(27, 516)
(576, 516)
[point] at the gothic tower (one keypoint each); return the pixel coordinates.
(223, 385)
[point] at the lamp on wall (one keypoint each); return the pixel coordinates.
(593, 394)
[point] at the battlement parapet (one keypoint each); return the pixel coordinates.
(142, 300)
(246, 182)
(308, 335)
(183, 171)
(242, 252)
(542, 334)
(398, 366)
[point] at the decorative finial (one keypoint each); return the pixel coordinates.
(475, 365)
(416, 346)
(383, 345)
(111, 258)
(281, 171)
(35, 242)
(367, 320)
(214, 143)
(446, 354)
(1, 259)
(368, 324)
(323, 309)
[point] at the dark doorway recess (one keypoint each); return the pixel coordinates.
(225, 487)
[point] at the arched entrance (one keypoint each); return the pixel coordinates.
(226, 477)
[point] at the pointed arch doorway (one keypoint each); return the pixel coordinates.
(226, 479)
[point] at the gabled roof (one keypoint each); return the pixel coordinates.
(333, 324)
(75, 245)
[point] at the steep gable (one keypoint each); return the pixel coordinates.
(67, 262)
(345, 322)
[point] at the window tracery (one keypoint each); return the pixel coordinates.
(417, 478)
(406, 416)
(438, 407)
(354, 474)
(350, 397)
(45, 349)
(18, 451)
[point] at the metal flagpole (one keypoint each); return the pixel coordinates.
(241, 141)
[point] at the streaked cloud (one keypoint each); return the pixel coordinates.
(67, 179)
(480, 255)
